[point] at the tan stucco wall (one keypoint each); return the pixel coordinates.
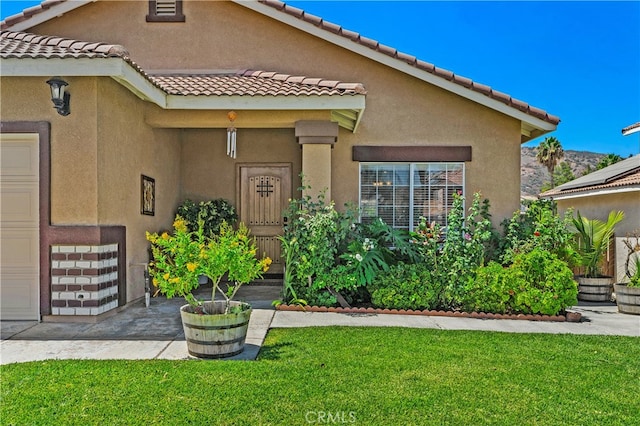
(599, 206)
(127, 149)
(400, 109)
(74, 184)
(207, 172)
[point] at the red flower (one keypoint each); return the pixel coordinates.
(537, 234)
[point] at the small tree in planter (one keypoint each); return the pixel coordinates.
(628, 294)
(591, 241)
(213, 329)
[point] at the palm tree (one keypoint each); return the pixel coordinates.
(549, 153)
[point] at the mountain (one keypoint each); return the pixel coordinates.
(534, 174)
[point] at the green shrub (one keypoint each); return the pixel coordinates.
(405, 286)
(536, 283)
(490, 290)
(539, 227)
(550, 285)
(213, 213)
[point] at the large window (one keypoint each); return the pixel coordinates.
(400, 193)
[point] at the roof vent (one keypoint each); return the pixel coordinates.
(165, 7)
(165, 11)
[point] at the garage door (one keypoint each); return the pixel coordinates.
(19, 228)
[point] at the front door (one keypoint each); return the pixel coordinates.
(265, 190)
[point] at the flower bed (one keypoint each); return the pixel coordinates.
(568, 317)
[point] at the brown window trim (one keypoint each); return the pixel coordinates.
(178, 17)
(411, 154)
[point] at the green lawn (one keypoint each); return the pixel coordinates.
(379, 376)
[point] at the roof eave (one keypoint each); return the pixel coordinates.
(531, 126)
(46, 15)
(346, 109)
(592, 192)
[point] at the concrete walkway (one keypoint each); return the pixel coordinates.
(139, 332)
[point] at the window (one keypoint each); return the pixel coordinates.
(400, 193)
(165, 11)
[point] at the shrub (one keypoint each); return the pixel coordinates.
(550, 287)
(405, 286)
(536, 283)
(489, 291)
(463, 250)
(213, 213)
(541, 227)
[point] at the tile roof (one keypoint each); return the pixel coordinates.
(627, 129)
(29, 12)
(356, 38)
(237, 83)
(252, 83)
(413, 61)
(625, 173)
(25, 45)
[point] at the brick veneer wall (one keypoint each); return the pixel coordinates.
(84, 279)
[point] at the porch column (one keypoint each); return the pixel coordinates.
(317, 139)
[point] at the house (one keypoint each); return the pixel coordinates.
(160, 92)
(616, 187)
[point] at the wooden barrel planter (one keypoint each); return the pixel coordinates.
(628, 299)
(215, 336)
(595, 289)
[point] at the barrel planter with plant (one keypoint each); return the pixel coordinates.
(213, 329)
(628, 294)
(591, 240)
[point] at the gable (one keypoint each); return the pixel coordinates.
(228, 42)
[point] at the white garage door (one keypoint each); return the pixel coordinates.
(19, 228)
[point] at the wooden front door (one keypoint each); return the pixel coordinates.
(265, 190)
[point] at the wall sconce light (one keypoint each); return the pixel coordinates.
(59, 96)
(231, 135)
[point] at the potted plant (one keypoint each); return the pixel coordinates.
(215, 328)
(591, 241)
(212, 213)
(628, 294)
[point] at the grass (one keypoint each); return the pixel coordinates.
(335, 375)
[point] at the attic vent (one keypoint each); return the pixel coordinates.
(165, 11)
(165, 7)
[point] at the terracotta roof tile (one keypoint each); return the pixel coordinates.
(629, 180)
(252, 83)
(633, 126)
(27, 13)
(448, 75)
(25, 45)
(339, 30)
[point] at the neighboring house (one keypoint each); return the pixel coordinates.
(152, 85)
(616, 187)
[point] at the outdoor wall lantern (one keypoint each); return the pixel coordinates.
(59, 96)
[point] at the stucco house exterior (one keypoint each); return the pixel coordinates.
(616, 187)
(155, 87)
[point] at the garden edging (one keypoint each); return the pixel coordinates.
(569, 317)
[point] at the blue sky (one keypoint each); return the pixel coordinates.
(577, 60)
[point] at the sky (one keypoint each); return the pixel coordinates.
(579, 60)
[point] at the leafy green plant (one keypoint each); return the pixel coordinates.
(212, 213)
(591, 240)
(550, 287)
(463, 250)
(539, 227)
(405, 286)
(180, 259)
(536, 283)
